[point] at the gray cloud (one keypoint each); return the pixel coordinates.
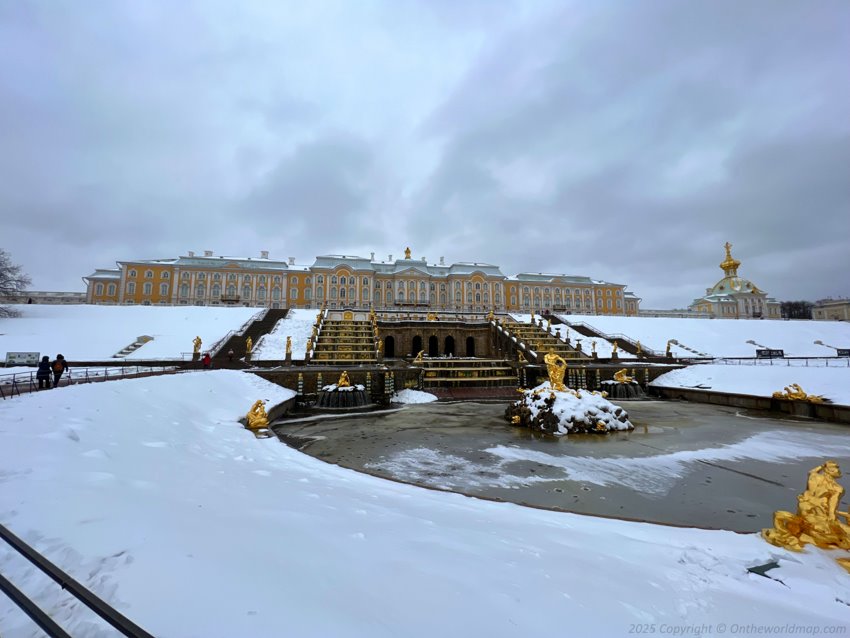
(625, 142)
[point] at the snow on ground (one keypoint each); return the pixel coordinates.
(297, 324)
(604, 348)
(75, 374)
(412, 396)
(759, 380)
(98, 332)
(151, 493)
(724, 337)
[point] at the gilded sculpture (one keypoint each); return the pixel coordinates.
(432, 316)
(344, 381)
(615, 348)
(407, 253)
(556, 366)
(818, 519)
(794, 392)
(257, 416)
(639, 349)
(419, 357)
(249, 345)
(620, 376)
(288, 344)
(196, 342)
(548, 324)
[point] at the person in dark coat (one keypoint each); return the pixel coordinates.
(43, 373)
(59, 366)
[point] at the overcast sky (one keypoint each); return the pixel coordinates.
(626, 141)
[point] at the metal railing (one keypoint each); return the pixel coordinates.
(613, 337)
(123, 624)
(16, 383)
(791, 362)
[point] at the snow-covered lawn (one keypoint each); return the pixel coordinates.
(760, 380)
(724, 337)
(152, 494)
(297, 324)
(99, 332)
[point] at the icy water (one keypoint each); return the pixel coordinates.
(685, 463)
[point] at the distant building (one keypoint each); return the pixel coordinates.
(831, 310)
(41, 297)
(351, 281)
(735, 298)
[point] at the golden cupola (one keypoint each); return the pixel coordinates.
(730, 264)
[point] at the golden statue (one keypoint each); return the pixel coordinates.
(557, 367)
(407, 253)
(197, 344)
(621, 377)
(257, 417)
(520, 357)
(548, 324)
(532, 317)
(639, 349)
(490, 316)
(593, 347)
(668, 353)
(380, 347)
(249, 345)
(817, 521)
(615, 347)
(344, 381)
(288, 344)
(794, 392)
(432, 316)
(419, 356)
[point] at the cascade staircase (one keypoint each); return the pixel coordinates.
(465, 373)
(345, 343)
(626, 344)
(537, 339)
(256, 329)
(138, 343)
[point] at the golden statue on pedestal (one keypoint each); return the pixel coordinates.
(548, 324)
(593, 347)
(817, 521)
(407, 253)
(490, 316)
(556, 366)
(249, 345)
(794, 392)
(620, 376)
(257, 417)
(615, 348)
(639, 349)
(344, 381)
(432, 316)
(196, 342)
(419, 357)
(288, 344)
(380, 347)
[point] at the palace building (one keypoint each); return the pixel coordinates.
(346, 281)
(735, 298)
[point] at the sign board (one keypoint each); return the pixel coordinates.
(843, 352)
(22, 358)
(770, 354)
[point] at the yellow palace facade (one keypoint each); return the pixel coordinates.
(343, 281)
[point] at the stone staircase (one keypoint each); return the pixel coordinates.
(255, 330)
(464, 373)
(625, 343)
(138, 343)
(345, 343)
(537, 339)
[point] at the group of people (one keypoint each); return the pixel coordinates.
(48, 368)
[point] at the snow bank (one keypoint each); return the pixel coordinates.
(99, 332)
(757, 380)
(297, 324)
(412, 396)
(149, 492)
(724, 337)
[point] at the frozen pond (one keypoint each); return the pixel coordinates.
(685, 463)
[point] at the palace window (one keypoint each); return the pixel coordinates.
(377, 296)
(342, 293)
(351, 293)
(149, 274)
(308, 294)
(147, 288)
(364, 294)
(216, 276)
(276, 294)
(246, 292)
(320, 292)
(320, 279)
(389, 296)
(469, 297)
(110, 289)
(231, 290)
(477, 286)
(293, 280)
(333, 292)
(262, 279)
(216, 290)
(421, 285)
(457, 297)
(184, 290)
(293, 293)
(333, 279)
(163, 289)
(442, 287)
(199, 291)
(98, 289)
(132, 273)
(185, 276)
(261, 293)
(202, 276)
(276, 279)
(165, 275)
(443, 298)
(365, 281)
(308, 281)
(477, 297)
(342, 281)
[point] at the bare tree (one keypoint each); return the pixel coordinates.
(12, 281)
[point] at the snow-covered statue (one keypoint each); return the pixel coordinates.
(257, 416)
(556, 366)
(818, 519)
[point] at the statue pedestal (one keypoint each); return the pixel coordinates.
(288, 360)
(595, 355)
(615, 356)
